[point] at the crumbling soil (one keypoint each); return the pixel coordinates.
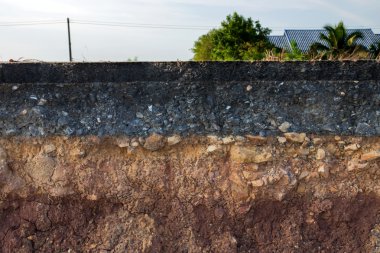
(44, 224)
(197, 194)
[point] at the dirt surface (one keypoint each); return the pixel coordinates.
(45, 224)
(291, 193)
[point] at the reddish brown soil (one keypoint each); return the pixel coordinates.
(251, 194)
(294, 225)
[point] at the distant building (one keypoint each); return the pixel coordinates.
(305, 38)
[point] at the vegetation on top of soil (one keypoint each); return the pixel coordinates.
(241, 38)
(238, 38)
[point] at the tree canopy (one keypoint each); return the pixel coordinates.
(238, 38)
(337, 41)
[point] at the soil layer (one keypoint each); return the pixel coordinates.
(291, 193)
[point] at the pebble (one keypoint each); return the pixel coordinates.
(49, 148)
(304, 151)
(317, 141)
(240, 138)
(242, 154)
(295, 137)
(321, 154)
(352, 147)
(122, 142)
(355, 164)
(249, 88)
(212, 148)
(281, 139)
(370, 156)
(256, 140)
(228, 139)
(213, 139)
(175, 139)
(135, 144)
(324, 171)
(304, 174)
(154, 142)
(257, 183)
(284, 127)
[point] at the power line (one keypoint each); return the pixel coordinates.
(137, 25)
(29, 23)
(148, 25)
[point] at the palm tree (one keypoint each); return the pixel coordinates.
(374, 50)
(337, 40)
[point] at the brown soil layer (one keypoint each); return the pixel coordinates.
(295, 193)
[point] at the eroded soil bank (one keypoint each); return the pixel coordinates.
(287, 193)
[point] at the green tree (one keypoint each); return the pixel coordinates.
(295, 54)
(338, 41)
(374, 50)
(238, 38)
(203, 47)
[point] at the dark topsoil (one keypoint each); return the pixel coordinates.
(293, 225)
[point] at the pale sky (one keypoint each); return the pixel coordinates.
(49, 42)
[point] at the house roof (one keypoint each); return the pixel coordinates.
(305, 38)
(279, 41)
(378, 37)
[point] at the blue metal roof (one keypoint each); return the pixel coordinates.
(378, 37)
(305, 38)
(279, 41)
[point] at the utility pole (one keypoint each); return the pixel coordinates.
(68, 31)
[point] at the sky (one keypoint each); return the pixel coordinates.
(139, 28)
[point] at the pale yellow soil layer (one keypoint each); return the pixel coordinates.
(227, 176)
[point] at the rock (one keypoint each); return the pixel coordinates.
(212, 148)
(295, 137)
(154, 142)
(332, 148)
(303, 175)
(256, 140)
(321, 154)
(280, 196)
(281, 140)
(49, 148)
(122, 142)
(324, 171)
(240, 192)
(301, 188)
(317, 141)
(304, 151)
(243, 154)
(139, 115)
(352, 147)
(77, 153)
(173, 140)
(213, 139)
(284, 127)
(240, 138)
(370, 156)
(236, 178)
(257, 183)
(228, 139)
(135, 144)
(355, 164)
(365, 129)
(249, 87)
(41, 169)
